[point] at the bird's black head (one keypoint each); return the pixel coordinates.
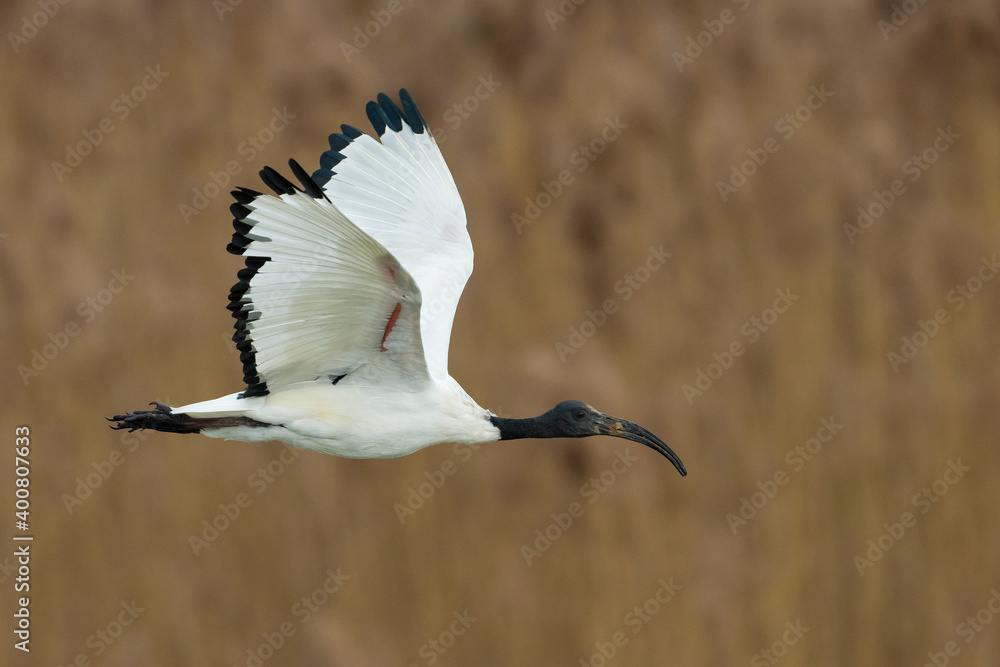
(576, 419)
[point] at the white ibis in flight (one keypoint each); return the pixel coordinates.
(345, 307)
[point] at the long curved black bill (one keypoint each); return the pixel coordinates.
(621, 428)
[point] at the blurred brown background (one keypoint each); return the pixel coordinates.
(225, 69)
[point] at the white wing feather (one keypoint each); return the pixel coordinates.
(319, 298)
(401, 192)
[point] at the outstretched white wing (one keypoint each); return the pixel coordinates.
(319, 298)
(401, 193)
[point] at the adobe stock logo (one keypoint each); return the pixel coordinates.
(901, 13)
(562, 521)
(796, 458)
(914, 168)
(635, 620)
(752, 329)
(581, 158)
(461, 111)
(31, 24)
(958, 297)
(218, 181)
(968, 629)
(303, 610)
(122, 107)
(770, 656)
(101, 639)
(363, 35)
(563, 11)
(420, 494)
(432, 650)
(58, 340)
(627, 287)
(786, 126)
(695, 46)
(895, 531)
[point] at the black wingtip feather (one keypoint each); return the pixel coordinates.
(309, 186)
(239, 211)
(339, 142)
(243, 312)
(393, 114)
(244, 196)
(322, 177)
(377, 117)
(350, 132)
(330, 159)
(277, 182)
(411, 113)
(246, 274)
(256, 389)
(240, 241)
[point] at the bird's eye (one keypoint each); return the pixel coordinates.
(579, 414)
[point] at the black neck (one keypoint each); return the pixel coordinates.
(515, 429)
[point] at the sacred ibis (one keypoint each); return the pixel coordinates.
(345, 307)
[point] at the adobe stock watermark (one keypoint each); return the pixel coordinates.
(900, 15)
(914, 168)
(591, 490)
(229, 512)
(432, 650)
(970, 628)
(957, 298)
(786, 127)
(779, 649)
(8, 570)
(581, 159)
(302, 611)
(563, 11)
(796, 458)
(101, 470)
(224, 7)
(218, 180)
(105, 636)
(418, 496)
(593, 320)
(634, 620)
(924, 501)
(695, 45)
(31, 23)
(364, 34)
(751, 330)
(121, 108)
(87, 310)
(460, 112)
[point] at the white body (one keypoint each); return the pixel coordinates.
(345, 309)
(355, 421)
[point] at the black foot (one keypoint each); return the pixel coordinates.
(158, 419)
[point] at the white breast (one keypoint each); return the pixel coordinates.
(367, 421)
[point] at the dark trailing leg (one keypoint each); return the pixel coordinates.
(163, 419)
(159, 419)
